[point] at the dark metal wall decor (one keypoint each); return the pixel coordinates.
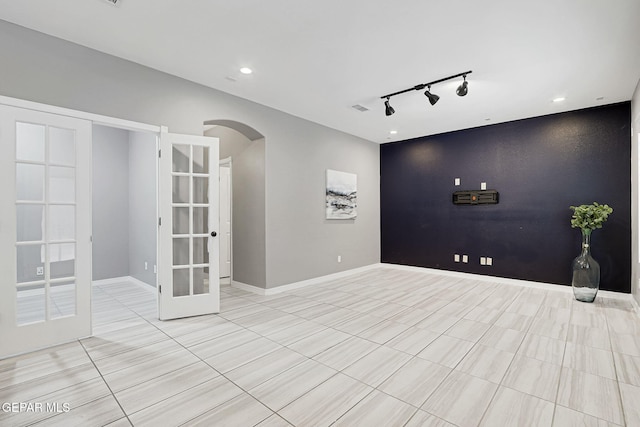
(475, 197)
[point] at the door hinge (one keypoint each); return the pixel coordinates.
(159, 221)
(159, 153)
(160, 288)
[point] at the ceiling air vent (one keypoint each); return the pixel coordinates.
(360, 108)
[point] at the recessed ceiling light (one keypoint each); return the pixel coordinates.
(246, 70)
(393, 132)
(560, 99)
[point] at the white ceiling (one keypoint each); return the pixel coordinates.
(316, 59)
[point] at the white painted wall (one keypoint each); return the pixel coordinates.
(110, 203)
(124, 204)
(142, 217)
(635, 189)
(300, 243)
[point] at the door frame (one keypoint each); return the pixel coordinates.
(97, 119)
(228, 162)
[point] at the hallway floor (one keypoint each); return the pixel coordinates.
(387, 347)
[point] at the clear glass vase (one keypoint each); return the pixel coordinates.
(586, 272)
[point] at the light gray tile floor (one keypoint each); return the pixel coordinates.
(387, 347)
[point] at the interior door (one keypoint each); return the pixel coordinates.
(45, 230)
(189, 282)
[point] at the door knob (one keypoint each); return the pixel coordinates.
(214, 234)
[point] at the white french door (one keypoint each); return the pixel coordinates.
(45, 230)
(189, 283)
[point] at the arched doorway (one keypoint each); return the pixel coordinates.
(242, 151)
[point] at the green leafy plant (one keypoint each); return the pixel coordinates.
(590, 217)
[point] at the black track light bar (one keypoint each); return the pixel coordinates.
(423, 85)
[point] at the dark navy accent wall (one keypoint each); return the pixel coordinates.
(540, 166)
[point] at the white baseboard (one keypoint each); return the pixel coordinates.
(248, 288)
(110, 281)
(302, 283)
(515, 282)
(482, 278)
(456, 274)
(127, 279)
(635, 304)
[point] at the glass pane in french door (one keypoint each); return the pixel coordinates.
(45, 222)
(190, 209)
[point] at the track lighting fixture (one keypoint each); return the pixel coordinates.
(462, 90)
(388, 109)
(433, 98)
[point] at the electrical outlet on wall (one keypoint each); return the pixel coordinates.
(489, 261)
(465, 258)
(456, 258)
(483, 260)
(146, 265)
(339, 258)
(39, 271)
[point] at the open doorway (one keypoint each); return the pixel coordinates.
(243, 149)
(124, 222)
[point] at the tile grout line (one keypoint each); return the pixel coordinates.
(283, 346)
(615, 370)
(373, 389)
(413, 357)
(151, 379)
(105, 383)
(206, 363)
(311, 359)
(533, 318)
(562, 367)
(452, 369)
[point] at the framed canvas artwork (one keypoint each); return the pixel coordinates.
(341, 195)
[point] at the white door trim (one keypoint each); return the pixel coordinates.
(224, 163)
(97, 119)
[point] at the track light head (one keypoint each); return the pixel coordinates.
(388, 109)
(433, 98)
(463, 88)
